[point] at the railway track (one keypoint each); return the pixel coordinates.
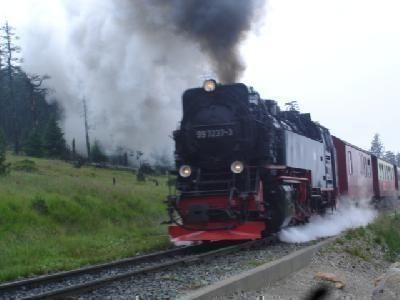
(84, 280)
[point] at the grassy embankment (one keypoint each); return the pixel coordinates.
(57, 217)
(384, 232)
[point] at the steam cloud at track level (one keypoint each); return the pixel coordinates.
(348, 215)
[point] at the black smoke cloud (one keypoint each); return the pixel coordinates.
(132, 59)
(218, 27)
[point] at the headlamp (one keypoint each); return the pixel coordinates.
(237, 167)
(209, 85)
(185, 171)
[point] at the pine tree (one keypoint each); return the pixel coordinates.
(125, 160)
(398, 159)
(390, 157)
(34, 144)
(377, 146)
(23, 103)
(4, 167)
(86, 123)
(53, 140)
(97, 153)
(10, 50)
(292, 106)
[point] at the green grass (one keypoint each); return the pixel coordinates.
(385, 231)
(55, 217)
(358, 252)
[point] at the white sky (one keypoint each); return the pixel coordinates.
(340, 59)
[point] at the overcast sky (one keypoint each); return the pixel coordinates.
(340, 59)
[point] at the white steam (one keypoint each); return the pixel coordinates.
(348, 215)
(126, 58)
(131, 71)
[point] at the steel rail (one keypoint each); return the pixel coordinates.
(50, 278)
(81, 288)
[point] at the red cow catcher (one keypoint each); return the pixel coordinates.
(278, 196)
(216, 210)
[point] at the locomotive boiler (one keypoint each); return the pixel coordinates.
(245, 168)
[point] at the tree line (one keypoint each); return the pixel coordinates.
(378, 149)
(28, 123)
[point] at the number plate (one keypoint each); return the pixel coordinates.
(213, 133)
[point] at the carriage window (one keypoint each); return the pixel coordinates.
(350, 162)
(369, 167)
(365, 167)
(361, 165)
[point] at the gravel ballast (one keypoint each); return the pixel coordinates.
(24, 292)
(178, 281)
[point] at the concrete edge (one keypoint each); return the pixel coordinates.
(260, 276)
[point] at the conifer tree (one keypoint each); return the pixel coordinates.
(9, 53)
(4, 167)
(34, 144)
(377, 146)
(390, 157)
(97, 153)
(23, 103)
(53, 140)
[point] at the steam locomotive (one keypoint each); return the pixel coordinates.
(245, 168)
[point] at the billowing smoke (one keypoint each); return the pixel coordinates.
(131, 60)
(348, 215)
(218, 26)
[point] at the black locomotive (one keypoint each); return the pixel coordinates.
(245, 168)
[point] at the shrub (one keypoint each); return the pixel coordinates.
(25, 165)
(140, 176)
(34, 144)
(146, 168)
(97, 153)
(39, 205)
(171, 181)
